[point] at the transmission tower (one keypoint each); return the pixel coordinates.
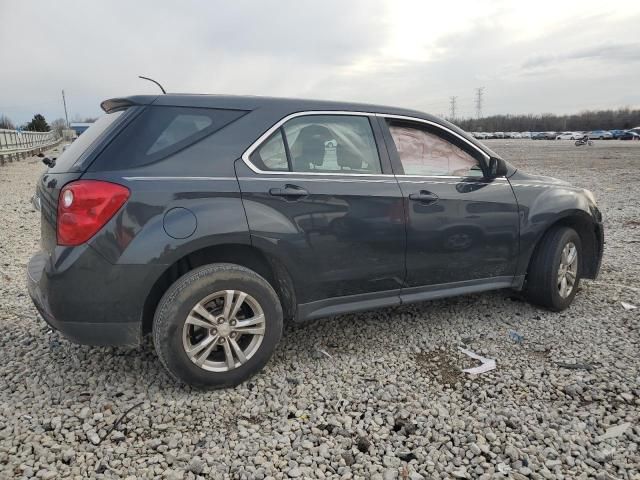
(479, 92)
(452, 102)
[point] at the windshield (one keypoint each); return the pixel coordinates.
(83, 143)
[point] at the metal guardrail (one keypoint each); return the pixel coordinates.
(17, 145)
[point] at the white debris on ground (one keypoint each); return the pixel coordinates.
(377, 395)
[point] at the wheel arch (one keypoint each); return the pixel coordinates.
(266, 265)
(586, 228)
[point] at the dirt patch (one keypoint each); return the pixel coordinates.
(441, 365)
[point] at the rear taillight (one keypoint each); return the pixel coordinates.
(85, 206)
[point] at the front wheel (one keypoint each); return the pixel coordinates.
(217, 325)
(554, 273)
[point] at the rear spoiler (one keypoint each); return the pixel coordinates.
(115, 104)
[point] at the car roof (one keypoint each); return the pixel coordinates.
(251, 102)
(281, 106)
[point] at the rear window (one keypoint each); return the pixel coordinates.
(83, 143)
(159, 132)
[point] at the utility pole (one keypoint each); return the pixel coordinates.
(64, 102)
(479, 92)
(452, 102)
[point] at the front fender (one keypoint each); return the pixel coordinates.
(545, 202)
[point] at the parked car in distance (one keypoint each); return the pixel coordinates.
(569, 136)
(540, 136)
(515, 135)
(600, 135)
(208, 220)
(526, 134)
(629, 135)
(616, 133)
(498, 134)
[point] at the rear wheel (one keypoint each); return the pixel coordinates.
(554, 272)
(217, 325)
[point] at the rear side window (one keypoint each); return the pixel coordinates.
(159, 132)
(83, 143)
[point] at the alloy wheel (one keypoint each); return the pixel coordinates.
(568, 270)
(224, 330)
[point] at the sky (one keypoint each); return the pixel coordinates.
(530, 57)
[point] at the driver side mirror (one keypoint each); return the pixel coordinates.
(497, 167)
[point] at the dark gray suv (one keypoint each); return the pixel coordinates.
(208, 220)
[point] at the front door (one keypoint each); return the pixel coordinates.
(462, 226)
(317, 189)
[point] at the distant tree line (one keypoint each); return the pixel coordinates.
(622, 119)
(37, 124)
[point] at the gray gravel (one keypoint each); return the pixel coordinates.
(388, 402)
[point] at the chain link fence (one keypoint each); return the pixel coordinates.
(15, 144)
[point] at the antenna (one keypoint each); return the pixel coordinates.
(452, 101)
(152, 80)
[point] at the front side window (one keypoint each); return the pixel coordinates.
(424, 153)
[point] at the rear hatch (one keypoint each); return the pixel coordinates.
(70, 166)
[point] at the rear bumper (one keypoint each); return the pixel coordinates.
(87, 299)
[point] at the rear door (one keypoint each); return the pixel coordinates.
(462, 226)
(319, 193)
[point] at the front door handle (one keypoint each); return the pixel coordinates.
(291, 191)
(424, 197)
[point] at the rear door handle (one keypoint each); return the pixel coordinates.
(291, 191)
(424, 197)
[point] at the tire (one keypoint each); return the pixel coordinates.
(542, 287)
(207, 287)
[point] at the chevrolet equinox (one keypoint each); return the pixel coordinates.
(209, 220)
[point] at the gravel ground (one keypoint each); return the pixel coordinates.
(382, 403)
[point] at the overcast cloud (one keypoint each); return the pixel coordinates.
(546, 56)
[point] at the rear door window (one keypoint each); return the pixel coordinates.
(159, 132)
(272, 154)
(332, 144)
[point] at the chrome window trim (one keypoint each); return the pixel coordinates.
(153, 179)
(252, 148)
(312, 179)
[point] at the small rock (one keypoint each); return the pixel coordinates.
(390, 474)
(460, 473)
(93, 437)
(196, 465)
(294, 473)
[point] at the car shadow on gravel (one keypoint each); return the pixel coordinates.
(403, 329)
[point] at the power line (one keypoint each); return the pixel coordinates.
(452, 107)
(479, 92)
